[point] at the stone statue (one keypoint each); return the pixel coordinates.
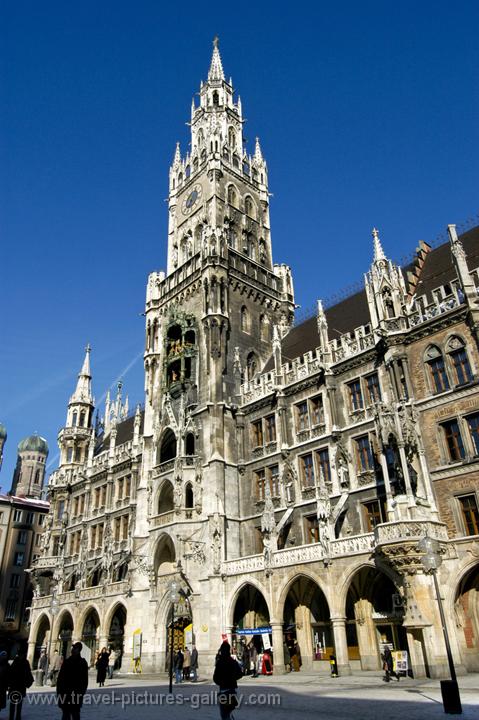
(342, 460)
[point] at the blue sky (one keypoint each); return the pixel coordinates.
(367, 114)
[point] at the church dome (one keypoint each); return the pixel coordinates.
(3, 432)
(33, 443)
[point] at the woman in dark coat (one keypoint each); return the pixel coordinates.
(102, 666)
(226, 675)
(388, 665)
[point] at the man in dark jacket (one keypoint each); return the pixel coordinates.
(194, 663)
(226, 675)
(72, 684)
(20, 678)
(178, 666)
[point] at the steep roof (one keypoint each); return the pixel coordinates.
(352, 312)
(124, 433)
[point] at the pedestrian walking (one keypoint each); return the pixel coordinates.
(111, 663)
(72, 684)
(20, 678)
(55, 668)
(4, 678)
(186, 664)
(295, 653)
(287, 657)
(42, 668)
(267, 663)
(178, 666)
(194, 663)
(388, 665)
(102, 667)
(226, 676)
(253, 659)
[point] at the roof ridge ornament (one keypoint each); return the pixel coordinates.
(216, 67)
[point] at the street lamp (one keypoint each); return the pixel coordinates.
(174, 593)
(431, 561)
(53, 611)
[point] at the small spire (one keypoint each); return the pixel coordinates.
(177, 156)
(258, 155)
(378, 250)
(86, 363)
(216, 67)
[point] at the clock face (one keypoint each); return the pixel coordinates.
(190, 201)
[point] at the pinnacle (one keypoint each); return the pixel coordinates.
(378, 250)
(177, 156)
(216, 67)
(85, 371)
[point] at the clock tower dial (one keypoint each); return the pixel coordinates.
(193, 197)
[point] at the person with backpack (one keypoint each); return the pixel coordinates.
(227, 673)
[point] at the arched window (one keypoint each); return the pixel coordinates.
(231, 138)
(189, 496)
(203, 155)
(461, 367)
(244, 319)
(165, 498)
(180, 178)
(82, 418)
(201, 137)
(436, 368)
(167, 446)
(251, 365)
(388, 303)
(249, 207)
(188, 171)
(37, 477)
(74, 418)
(231, 195)
(216, 98)
(190, 444)
(232, 237)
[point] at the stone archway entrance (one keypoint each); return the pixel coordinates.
(251, 626)
(90, 634)
(42, 639)
(306, 619)
(374, 615)
(466, 608)
(65, 632)
(116, 633)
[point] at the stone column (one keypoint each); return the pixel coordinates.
(407, 479)
(366, 630)
(304, 635)
(341, 644)
(278, 654)
(387, 483)
(31, 651)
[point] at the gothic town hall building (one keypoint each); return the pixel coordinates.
(282, 474)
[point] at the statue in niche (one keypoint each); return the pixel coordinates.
(341, 460)
(178, 493)
(216, 543)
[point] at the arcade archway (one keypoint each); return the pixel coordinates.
(42, 638)
(374, 615)
(65, 632)
(116, 633)
(466, 609)
(90, 634)
(306, 619)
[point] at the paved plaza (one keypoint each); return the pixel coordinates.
(362, 697)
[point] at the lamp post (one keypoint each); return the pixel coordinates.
(431, 561)
(174, 597)
(53, 611)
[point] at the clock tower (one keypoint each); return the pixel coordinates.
(210, 317)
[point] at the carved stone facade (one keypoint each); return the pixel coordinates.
(282, 474)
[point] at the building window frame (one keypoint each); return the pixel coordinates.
(453, 442)
(364, 454)
(306, 470)
(469, 513)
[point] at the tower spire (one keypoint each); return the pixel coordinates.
(378, 250)
(83, 388)
(216, 68)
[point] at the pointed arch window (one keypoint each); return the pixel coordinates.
(249, 207)
(436, 368)
(201, 137)
(74, 418)
(456, 349)
(244, 319)
(251, 365)
(82, 418)
(231, 138)
(188, 497)
(232, 197)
